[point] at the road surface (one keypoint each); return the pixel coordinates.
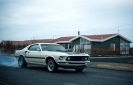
(40, 76)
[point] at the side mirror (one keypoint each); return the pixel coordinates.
(38, 49)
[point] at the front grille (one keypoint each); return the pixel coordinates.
(77, 58)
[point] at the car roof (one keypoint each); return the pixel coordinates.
(47, 43)
(41, 43)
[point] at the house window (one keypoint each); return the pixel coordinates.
(63, 45)
(69, 46)
(112, 47)
(81, 40)
(84, 41)
(124, 46)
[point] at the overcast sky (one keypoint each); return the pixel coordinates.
(43, 19)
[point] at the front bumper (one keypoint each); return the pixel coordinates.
(73, 64)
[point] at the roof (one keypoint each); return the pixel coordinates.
(62, 39)
(99, 37)
(103, 37)
(69, 39)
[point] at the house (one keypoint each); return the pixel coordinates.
(88, 42)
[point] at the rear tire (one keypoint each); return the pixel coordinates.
(51, 65)
(22, 62)
(79, 70)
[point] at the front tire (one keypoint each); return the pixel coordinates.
(51, 65)
(22, 62)
(79, 70)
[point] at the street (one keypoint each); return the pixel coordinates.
(40, 76)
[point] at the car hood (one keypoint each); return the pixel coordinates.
(71, 53)
(74, 53)
(64, 53)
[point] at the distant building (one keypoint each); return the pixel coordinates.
(26, 42)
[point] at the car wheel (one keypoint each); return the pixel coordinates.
(51, 65)
(79, 70)
(22, 62)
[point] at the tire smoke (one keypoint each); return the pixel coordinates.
(8, 61)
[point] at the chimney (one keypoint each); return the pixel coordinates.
(78, 32)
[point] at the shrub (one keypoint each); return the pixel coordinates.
(94, 52)
(131, 51)
(8, 47)
(104, 52)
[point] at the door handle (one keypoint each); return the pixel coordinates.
(27, 52)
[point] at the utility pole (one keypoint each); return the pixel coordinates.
(53, 37)
(118, 31)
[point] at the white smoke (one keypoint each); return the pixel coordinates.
(8, 61)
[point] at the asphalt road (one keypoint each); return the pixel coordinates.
(40, 76)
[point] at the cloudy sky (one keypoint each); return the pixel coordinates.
(43, 19)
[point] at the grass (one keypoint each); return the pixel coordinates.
(127, 68)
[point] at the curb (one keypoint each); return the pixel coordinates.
(116, 66)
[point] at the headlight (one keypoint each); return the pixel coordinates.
(68, 58)
(86, 58)
(61, 57)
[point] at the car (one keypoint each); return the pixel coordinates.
(52, 56)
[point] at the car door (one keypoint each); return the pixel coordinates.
(33, 54)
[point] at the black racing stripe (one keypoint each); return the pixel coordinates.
(36, 57)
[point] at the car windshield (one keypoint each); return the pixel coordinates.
(49, 47)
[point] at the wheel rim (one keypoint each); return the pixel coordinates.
(50, 65)
(20, 61)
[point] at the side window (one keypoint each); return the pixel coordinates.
(47, 47)
(44, 47)
(34, 48)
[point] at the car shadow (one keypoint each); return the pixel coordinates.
(37, 68)
(59, 71)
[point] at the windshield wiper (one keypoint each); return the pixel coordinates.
(61, 50)
(48, 50)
